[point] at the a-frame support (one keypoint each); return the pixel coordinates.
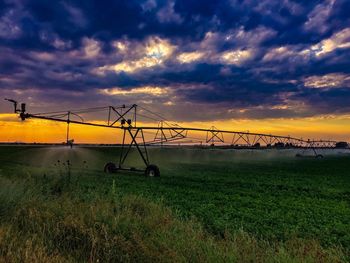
(142, 149)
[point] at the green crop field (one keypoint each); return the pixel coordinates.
(208, 205)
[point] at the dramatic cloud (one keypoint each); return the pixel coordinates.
(334, 80)
(227, 58)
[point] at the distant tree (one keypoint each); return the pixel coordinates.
(279, 144)
(341, 145)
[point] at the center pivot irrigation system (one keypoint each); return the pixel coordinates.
(126, 118)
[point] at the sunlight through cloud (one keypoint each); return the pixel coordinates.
(236, 57)
(333, 80)
(189, 57)
(153, 53)
(154, 91)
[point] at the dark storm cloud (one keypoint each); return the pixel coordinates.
(263, 58)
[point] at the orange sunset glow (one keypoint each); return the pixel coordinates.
(12, 129)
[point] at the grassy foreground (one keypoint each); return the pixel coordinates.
(55, 214)
(58, 226)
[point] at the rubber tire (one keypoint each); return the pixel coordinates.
(152, 171)
(110, 168)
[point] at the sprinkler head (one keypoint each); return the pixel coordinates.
(23, 107)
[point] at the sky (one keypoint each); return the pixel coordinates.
(259, 65)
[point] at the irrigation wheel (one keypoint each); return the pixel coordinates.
(110, 168)
(152, 171)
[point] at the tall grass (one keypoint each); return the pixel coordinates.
(41, 224)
